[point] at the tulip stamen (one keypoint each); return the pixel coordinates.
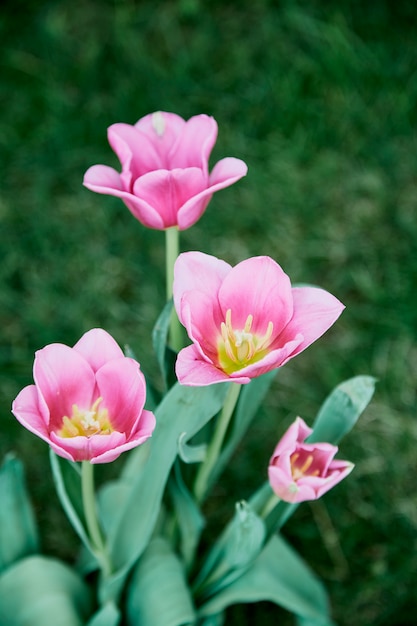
(241, 347)
(86, 423)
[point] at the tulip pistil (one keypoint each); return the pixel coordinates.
(86, 423)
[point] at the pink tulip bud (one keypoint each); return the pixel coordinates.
(244, 320)
(165, 180)
(300, 471)
(87, 401)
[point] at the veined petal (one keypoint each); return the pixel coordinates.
(63, 378)
(102, 179)
(87, 448)
(121, 384)
(27, 411)
(315, 310)
(202, 318)
(196, 271)
(194, 144)
(97, 347)
(192, 370)
(163, 130)
(225, 173)
(168, 190)
(136, 152)
(259, 287)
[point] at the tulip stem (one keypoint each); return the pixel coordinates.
(90, 512)
(171, 254)
(216, 443)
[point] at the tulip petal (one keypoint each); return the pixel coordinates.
(168, 190)
(103, 179)
(202, 319)
(121, 384)
(194, 144)
(259, 287)
(270, 361)
(163, 130)
(63, 378)
(97, 347)
(315, 310)
(136, 152)
(27, 411)
(225, 173)
(192, 370)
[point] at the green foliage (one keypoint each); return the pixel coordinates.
(319, 99)
(38, 590)
(19, 533)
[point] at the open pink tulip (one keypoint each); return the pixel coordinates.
(244, 320)
(87, 401)
(300, 471)
(165, 180)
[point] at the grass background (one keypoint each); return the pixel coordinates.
(319, 99)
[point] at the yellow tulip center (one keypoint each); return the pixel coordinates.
(302, 466)
(238, 348)
(86, 423)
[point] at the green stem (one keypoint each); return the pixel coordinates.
(90, 512)
(215, 445)
(270, 505)
(171, 255)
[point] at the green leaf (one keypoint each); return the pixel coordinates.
(190, 520)
(67, 480)
(233, 553)
(183, 410)
(108, 615)
(158, 593)
(191, 454)
(250, 399)
(342, 408)
(278, 575)
(18, 536)
(37, 591)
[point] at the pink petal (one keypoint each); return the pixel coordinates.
(202, 318)
(259, 287)
(121, 384)
(167, 191)
(227, 170)
(103, 179)
(295, 434)
(194, 144)
(27, 411)
(136, 152)
(315, 310)
(87, 448)
(163, 130)
(225, 173)
(63, 378)
(193, 371)
(200, 272)
(97, 347)
(270, 361)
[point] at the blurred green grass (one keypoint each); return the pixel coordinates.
(320, 100)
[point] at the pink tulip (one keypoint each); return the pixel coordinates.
(244, 320)
(300, 471)
(87, 401)
(165, 179)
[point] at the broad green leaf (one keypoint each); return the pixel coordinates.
(190, 520)
(212, 620)
(67, 480)
(158, 593)
(278, 575)
(183, 410)
(250, 399)
(108, 615)
(233, 553)
(191, 454)
(37, 591)
(18, 532)
(342, 408)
